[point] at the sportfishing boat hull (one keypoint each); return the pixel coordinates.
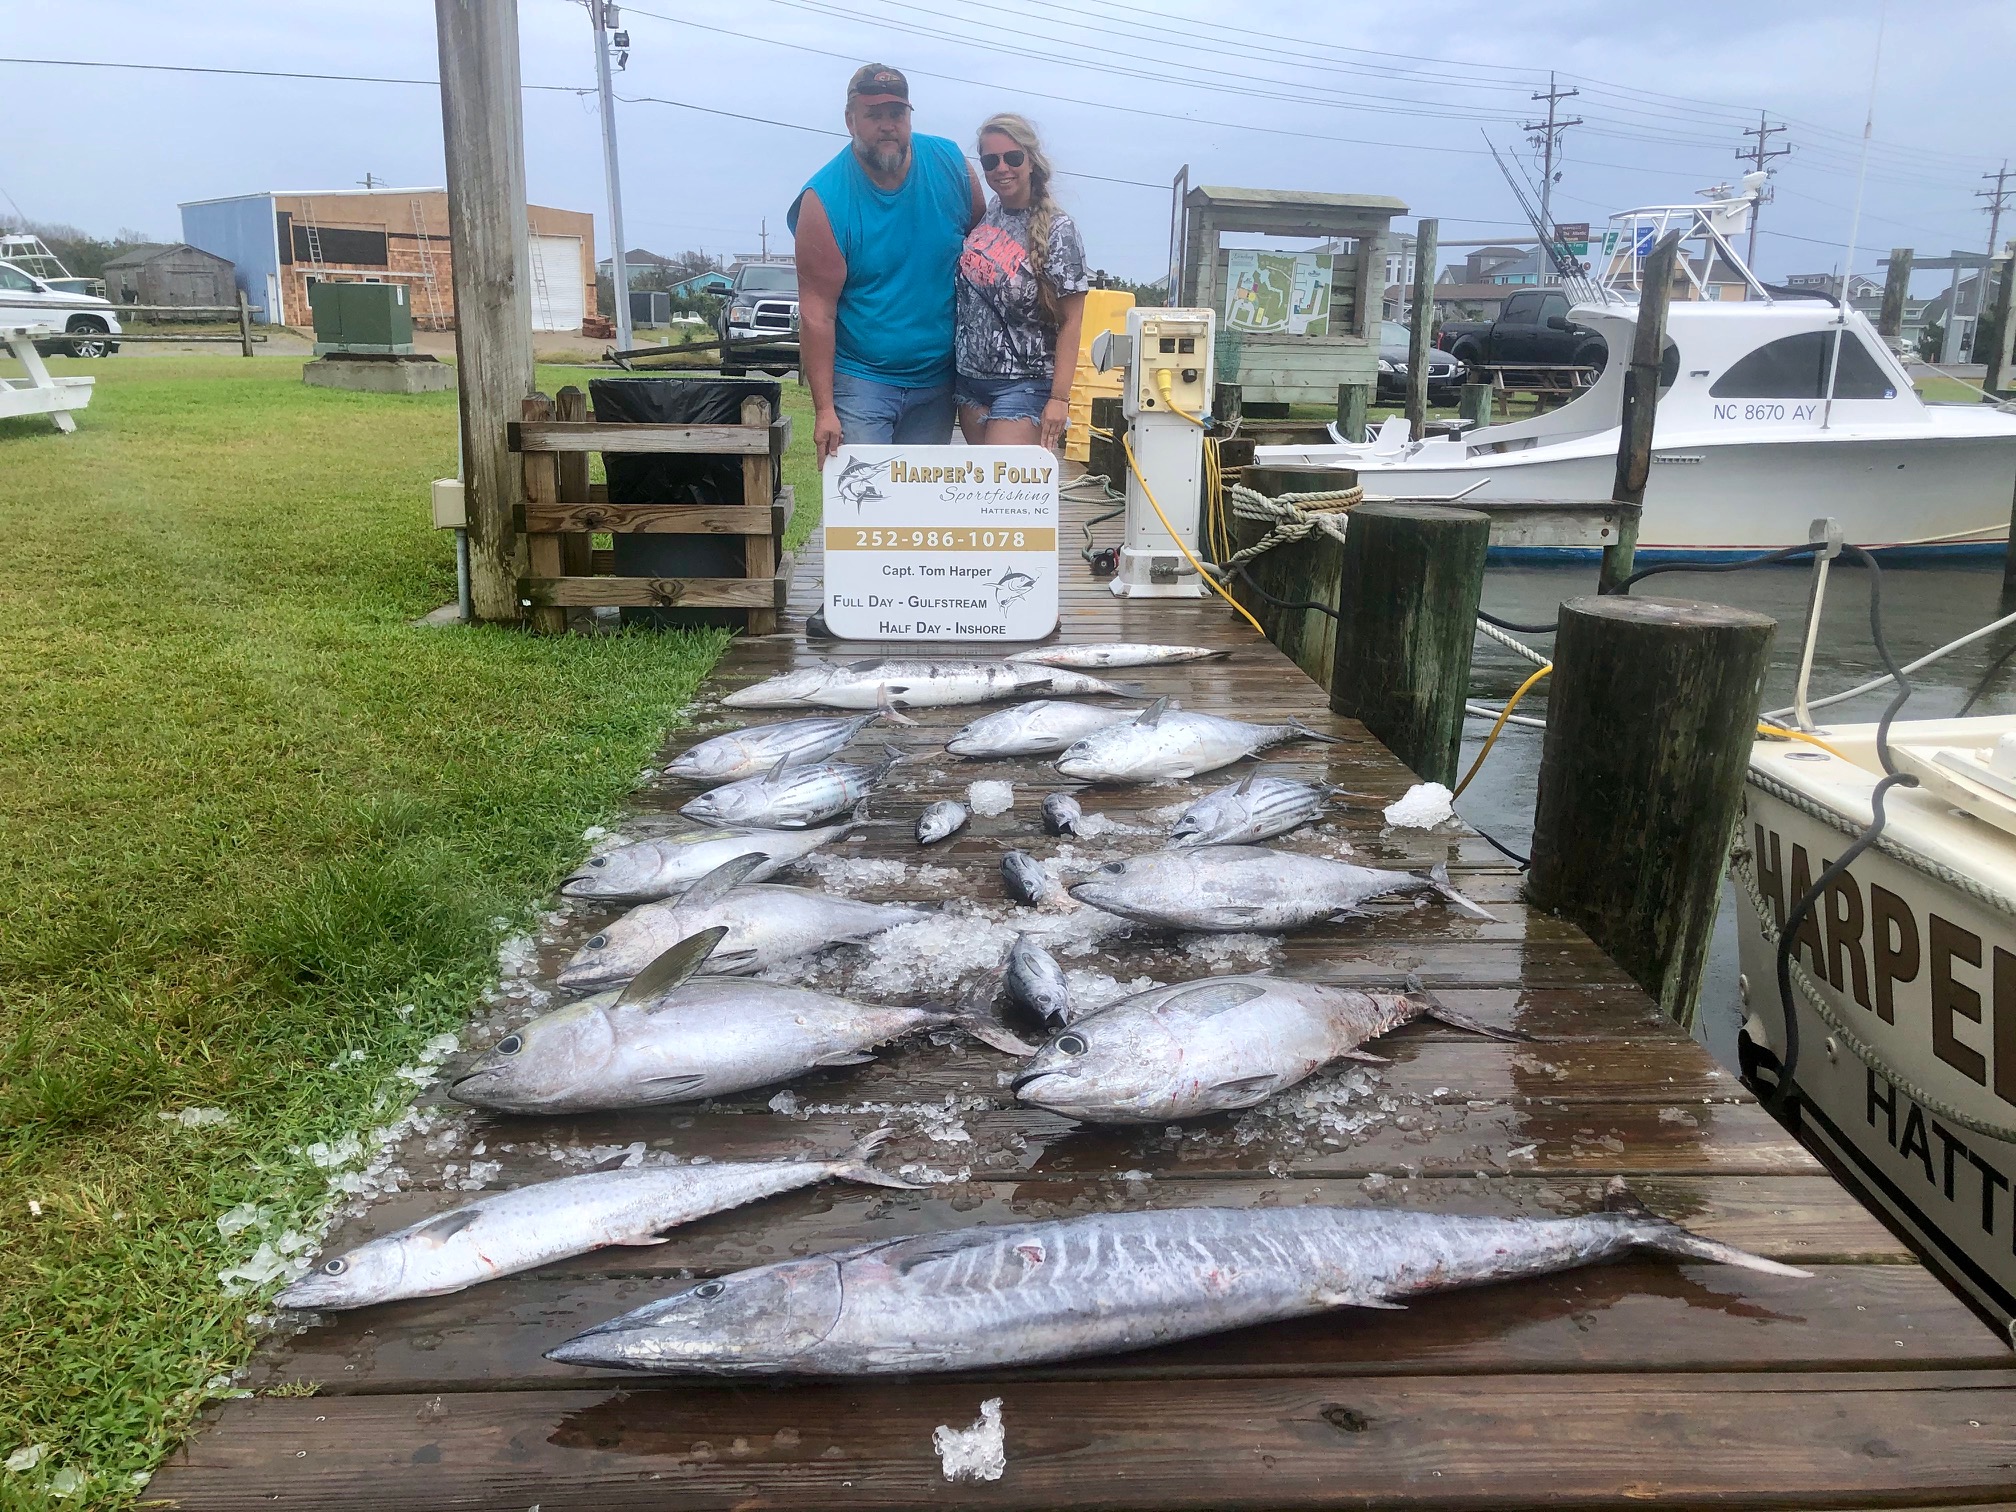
(1902, 1034)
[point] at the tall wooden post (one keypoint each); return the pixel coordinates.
(1641, 408)
(1422, 326)
(483, 132)
(1475, 404)
(1991, 334)
(244, 325)
(1896, 290)
(1354, 406)
(1407, 616)
(1650, 719)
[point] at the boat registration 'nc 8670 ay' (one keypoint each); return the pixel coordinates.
(941, 543)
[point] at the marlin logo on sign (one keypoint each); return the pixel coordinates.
(853, 485)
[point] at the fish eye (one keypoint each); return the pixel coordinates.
(710, 1288)
(598, 942)
(334, 1267)
(598, 860)
(1114, 866)
(511, 1044)
(1072, 1044)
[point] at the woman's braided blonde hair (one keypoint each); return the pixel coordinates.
(1042, 208)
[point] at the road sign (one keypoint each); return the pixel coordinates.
(1572, 238)
(941, 543)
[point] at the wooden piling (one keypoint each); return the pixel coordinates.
(1475, 404)
(1407, 615)
(1991, 339)
(1354, 405)
(1422, 325)
(1651, 714)
(1641, 406)
(244, 325)
(482, 120)
(1896, 290)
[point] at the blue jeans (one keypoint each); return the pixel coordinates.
(882, 413)
(1003, 398)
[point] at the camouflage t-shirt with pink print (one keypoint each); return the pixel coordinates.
(1002, 332)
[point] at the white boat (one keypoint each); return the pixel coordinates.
(1901, 986)
(1774, 408)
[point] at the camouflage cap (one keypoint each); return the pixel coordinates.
(878, 80)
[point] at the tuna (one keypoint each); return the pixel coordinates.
(503, 1233)
(1060, 812)
(660, 868)
(766, 923)
(1041, 727)
(1024, 880)
(1163, 743)
(1213, 1045)
(758, 749)
(789, 797)
(668, 1039)
(1025, 1293)
(1036, 982)
(1227, 889)
(1117, 654)
(1254, 808)
(913, 684)
(941, 821)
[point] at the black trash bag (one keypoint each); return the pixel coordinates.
(677, 478)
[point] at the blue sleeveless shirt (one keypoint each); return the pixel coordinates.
(895, 321)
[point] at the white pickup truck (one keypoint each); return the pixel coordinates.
(26, 300)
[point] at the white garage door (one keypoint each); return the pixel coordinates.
(558, 295)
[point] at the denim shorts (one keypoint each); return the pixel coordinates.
(879, 414)
(1003, 398)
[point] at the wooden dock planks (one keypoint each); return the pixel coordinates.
(1645, 1381)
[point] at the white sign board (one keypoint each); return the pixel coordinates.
(951, 543)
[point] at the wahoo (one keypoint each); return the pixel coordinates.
(913, 684)
(1226, 889)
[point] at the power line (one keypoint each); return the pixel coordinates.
(1998, 201)
(1758, 156)
(1548, 140)
(263, 73)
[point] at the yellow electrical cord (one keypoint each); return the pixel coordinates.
(1503, 715)
(1782, 733)
(1134, 467)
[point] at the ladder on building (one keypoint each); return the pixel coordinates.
(428, 284)
(542, 297)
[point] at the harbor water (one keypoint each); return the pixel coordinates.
(1923, 607)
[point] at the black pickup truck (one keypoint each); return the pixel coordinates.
(1532, 327)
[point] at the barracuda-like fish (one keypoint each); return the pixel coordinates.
(1060, 813)
(757, 749)
(1213, 1045)
(789, 797)
(1037, 728)
(503, 1233)
(1227, 889)
(659, 868)
(766, 923)
(1036, 981)
(667, 1039)
(1024, 880)
(1164, 742)
(1022, 1293)
(913, 684)
(1117, 654)
(941, 821)
(1253, 808)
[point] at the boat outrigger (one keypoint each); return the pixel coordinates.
(1769, 402)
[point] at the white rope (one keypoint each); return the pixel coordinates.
(1909, 667)
(1511, 643)
(2000, 401)
(1484, 711)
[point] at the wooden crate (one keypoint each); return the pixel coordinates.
(563, 510)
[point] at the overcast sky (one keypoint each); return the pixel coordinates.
(1385, 99)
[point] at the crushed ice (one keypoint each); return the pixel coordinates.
(976, 1453)
(1233, 949)
(988, 799)
(196, 1118)
(1426, 805)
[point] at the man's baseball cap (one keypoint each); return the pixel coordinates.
(878, 81)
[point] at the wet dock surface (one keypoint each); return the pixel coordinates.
(1620, 1385)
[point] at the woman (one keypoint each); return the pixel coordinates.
(1021, 299)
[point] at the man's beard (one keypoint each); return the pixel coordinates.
(886, 157)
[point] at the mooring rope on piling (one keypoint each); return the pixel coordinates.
(1293, 516)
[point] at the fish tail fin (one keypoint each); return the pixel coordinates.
(979, 1014)
(1437, 877)
(854, 1166)
(1649, 1231)
(1308, 733)
(1434, 1008)
(884, 709)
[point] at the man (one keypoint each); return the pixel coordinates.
(879, 230)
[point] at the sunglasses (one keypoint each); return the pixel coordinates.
(989, 161)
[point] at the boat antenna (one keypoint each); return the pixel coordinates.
(1570, 273)
(1855, 221)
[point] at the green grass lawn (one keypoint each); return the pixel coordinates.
(260, 840)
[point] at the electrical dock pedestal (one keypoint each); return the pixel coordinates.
(1165, 399)
(1643, 1383)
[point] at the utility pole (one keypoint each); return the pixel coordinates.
(765, 235)
(1546, 135)
(368, 181)
(1758, 156)
(1998, 201)
(602, 16)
